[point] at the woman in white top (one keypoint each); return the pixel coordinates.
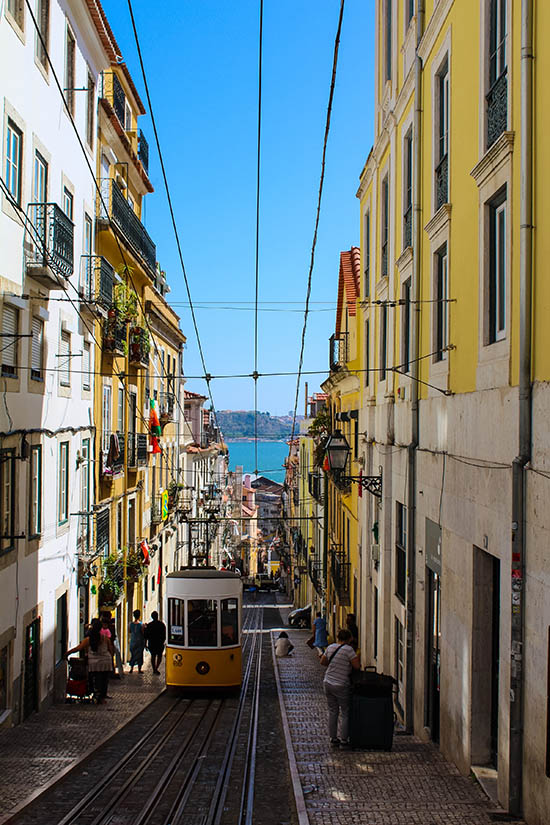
(339, 659)
(283, 645)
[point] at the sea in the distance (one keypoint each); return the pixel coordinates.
(271, 455)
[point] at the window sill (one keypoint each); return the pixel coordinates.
(439, 221)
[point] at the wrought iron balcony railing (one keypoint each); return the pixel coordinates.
(166, 405)
(315, 571)
(156, 509)
(338, 351)
(48, 243)
(137, 450)
(111, 89)
(442, 182)
(97, 277)
(139, 346)
(143, 151)
(127, 222)
(315, 487)
(497, 109)
(340, 572)
(407, 228)
(114, 333)
(112, 454)
(384, 260)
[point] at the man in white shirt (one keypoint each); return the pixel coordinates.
(339, 659)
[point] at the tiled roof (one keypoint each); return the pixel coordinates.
(189, 394)
(99, 19)
(348, 283)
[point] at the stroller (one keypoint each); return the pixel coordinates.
(79, 686)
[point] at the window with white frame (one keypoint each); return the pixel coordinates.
(16, 8)
(442, 136)
(406, 325)
(106, 417)
(497, 95)
(383, 341)
(70, 56)
(43, 32)
(127, 116)
(84, 532)
(407, 189)
(13, 160)
(385, 227)
(10, 347)
(86, 378)
(409, 12)
(388, 52)
(497, 268)
(63, 483)
(40, 179)
(87, 286)
(35, 497)
(64, 359)
(37, 349)
(120, 410)
(441, 306)
(7, 500)
(68, 202)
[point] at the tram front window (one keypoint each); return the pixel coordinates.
(230, 622)
(202, 622)
(175, 621)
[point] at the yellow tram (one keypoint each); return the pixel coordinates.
(204, 621)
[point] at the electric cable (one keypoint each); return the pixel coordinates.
(257, 249)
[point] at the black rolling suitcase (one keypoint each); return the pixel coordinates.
(372, 717)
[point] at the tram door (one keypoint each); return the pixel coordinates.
(30, 686)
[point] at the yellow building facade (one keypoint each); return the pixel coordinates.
(454, 384)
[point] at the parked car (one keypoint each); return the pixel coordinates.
(300, 617)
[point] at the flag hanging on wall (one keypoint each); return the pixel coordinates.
(144, 547)
(154, 423)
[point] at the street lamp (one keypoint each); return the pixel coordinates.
(338, 450)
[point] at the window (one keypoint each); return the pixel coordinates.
(367, 254)
(42, 35)
(385, 226)
(202, 622)
(40, 179)
(70, 50)
(61, 628)
(367, 353)
(68, 202)
(35, 498)
(65, 359)
(90, 106)
(399, 661)
(127, 116)
(14, 149)
(119, 517)
(17, 10)
(375, 623)
(401, 551)
(407, 192)
(176, 619)
(103, 524)
(409, 11)
(106, 417)
(387, 40)
(63, 492)
(230, 622)
(442, 148)
(37, 350)
(10, 329)
(86, 380)
(406, 325)
(84, 532)
(497, 269)
(120, 410)
(87, 271)
(383, 341)
(7, 499)
(497, 40)
(441, 304)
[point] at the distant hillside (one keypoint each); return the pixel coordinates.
(240, 424)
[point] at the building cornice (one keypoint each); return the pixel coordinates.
(493, 158)
(441, 217)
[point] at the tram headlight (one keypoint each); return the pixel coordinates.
(202, 668)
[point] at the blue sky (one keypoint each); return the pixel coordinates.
(201, 59)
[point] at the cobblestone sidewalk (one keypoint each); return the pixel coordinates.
(34, 753)
(411, 785)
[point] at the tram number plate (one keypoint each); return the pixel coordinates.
(177, 659)
(177, 630)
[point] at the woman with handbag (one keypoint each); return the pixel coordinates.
(339, 659)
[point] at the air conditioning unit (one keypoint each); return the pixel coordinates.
(375, 552)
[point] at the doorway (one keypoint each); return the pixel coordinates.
(32, 653)
(433, 653)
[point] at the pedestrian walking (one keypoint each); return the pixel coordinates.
(283, 645)
(100, 658)
(339, 659)
(351, 625)
(155, 636)
(319, 628)
(137, 643)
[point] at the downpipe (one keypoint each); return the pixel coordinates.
(519, 508)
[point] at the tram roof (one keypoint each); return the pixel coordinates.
(203, 573)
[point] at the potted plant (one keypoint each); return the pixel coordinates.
(134, 565)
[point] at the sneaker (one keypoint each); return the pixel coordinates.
(335, 743)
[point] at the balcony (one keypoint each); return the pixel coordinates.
(166, 407)
(97, 277)
(338, 351)
(137, 450)
(340, 572)
(407, 228)
(115, 208)
(143, 151)
(112, 455)
(315, 487)
(112, 91)
(114, 333)
(315, 571)
(442, 182)
(156, 510)
(139, 346)
(48, 244)
(497, 109)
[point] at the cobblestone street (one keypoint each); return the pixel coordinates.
(35, 753)
(411, 784)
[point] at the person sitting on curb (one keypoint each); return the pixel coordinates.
(283, 645)
(339, 659)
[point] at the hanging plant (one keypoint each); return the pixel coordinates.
(126, 302)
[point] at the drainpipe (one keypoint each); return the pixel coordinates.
(412, 448)
(524, 432)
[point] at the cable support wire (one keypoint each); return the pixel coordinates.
(317, 217)
(127, 269)
(206, 377)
